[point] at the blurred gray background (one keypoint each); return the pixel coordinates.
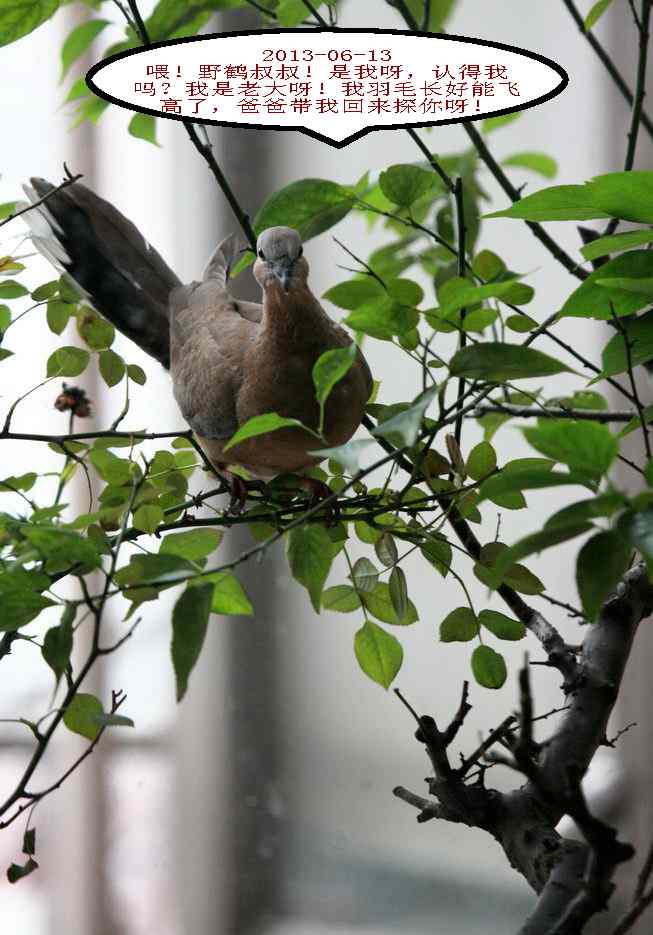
(263, 804)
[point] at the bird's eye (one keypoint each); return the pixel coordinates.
(261, 255)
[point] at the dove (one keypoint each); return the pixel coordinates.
(229, 360)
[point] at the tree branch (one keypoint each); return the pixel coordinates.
(204, 149)
(524, 821)
(607, 62)
(553, 412)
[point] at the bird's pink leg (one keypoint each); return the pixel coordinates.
(239, 488)
(320, 491)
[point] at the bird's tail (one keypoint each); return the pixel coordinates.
(107, 260)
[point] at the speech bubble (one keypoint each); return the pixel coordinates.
(335, 85)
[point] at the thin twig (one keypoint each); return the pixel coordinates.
(203, 149)
(631, 377)
(462, 230)
(34, 204)
(553, 412)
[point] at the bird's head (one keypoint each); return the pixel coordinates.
(280, 258)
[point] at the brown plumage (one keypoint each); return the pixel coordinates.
(229, 360)
(261, 358)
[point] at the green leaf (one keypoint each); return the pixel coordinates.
(482, 461)
(341, 598)
(20, 599)
(78, 41)
(5, 318)
(559, 203)
(398, 592)
(261, 425)
(20, 17)
(110, 467)
(440, 10)
(229, 598)
(5, 353)
(348, 454)
(67, 362)
(29, 842)
(16, 872)
(112, 367)
(190, 618)
(143, 127)
(77, 90)
(517, 577)
(7, 208)
(596, 13)
(58, 643)
(364, 575)
(310, 206)
(487, 265)
(497, 363)
(62, 548)
(148, 517)
(378, 653)
(438, 552)
(536, 162)
(113, 720)
(593, 300)
(96, 331)
(639, 334)
(643, 286)
(172, 20)
(193, 544)
(10, 289)
(291, 13)
(405, 184)
(615, 243)
(520, 323)
(584, 511)
(459, 294)
(386, 550)
(404, 428)
(154, 569)
(460, 626)
(58, 314)
(137, 374)
(81, 714)
(24, 482)
(488, 667)
(601, 563)
(353, 293)
(310, 554)
(536, 543)
(504, 628)
(490, 124)
(328, 370)
(528, 479)
(383, 318)
(582, 446)
(626, 195)
(379, 603)
(636, 423)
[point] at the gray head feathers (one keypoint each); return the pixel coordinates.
(278, 243)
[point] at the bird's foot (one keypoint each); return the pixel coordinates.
(320, 491)
(240, 489)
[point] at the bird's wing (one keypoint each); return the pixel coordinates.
(210, 333)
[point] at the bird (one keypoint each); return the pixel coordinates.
(229, 360)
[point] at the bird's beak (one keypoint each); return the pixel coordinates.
(283, 270)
